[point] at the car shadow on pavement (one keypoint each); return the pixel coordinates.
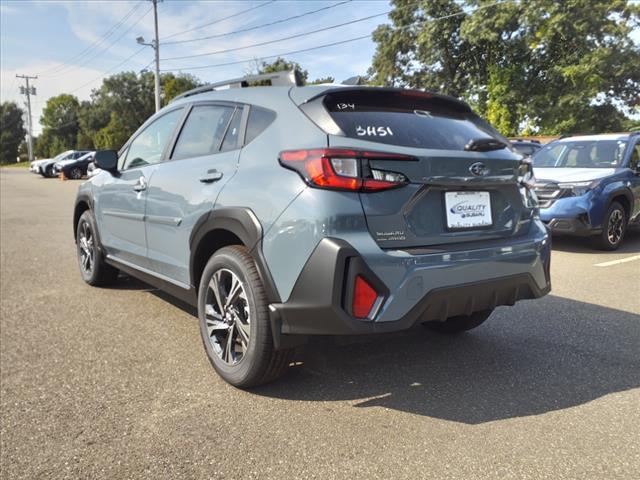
(630, 244)
(537, 357)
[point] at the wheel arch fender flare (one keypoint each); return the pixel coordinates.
(624, 191)
(84, 201)
(243, 223)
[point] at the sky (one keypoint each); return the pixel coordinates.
(72, 45)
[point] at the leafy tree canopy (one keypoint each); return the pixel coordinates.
(540, 65)
(12, 131)
(60, 124)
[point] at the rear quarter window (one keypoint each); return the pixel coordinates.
(402, 118)
(259, 120)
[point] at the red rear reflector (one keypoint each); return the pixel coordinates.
(364, 296)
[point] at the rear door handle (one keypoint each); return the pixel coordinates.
(141, 185)
(211, 177)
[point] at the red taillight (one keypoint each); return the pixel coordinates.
(340, 169)
(364, 296)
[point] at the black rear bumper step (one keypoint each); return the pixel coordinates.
(315, 306)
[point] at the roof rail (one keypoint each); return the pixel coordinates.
(282, 78)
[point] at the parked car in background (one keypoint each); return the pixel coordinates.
(287, 211)
(74, 168)
(590, 186)
(46, 168)
(34, 167)
(526, 147)
(92, 169)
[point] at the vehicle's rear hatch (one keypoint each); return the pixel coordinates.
(452, 195)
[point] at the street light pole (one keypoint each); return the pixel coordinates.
(155, 44)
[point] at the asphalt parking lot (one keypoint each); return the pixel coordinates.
(114, 383)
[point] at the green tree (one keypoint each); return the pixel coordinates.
(321, 80)
(174, 85)
(42, 145)
(544, 65)
(280, 64)
(12, 131)
(114, 135)
(60, 122)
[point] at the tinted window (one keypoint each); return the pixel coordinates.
(203, 131)
(404, 118)
(147, 147)
(259, 120)
(233, 132)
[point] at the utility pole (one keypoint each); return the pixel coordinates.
(157, 51)
(28, 91)
(156, 47)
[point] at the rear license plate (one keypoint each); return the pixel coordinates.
(468, 209)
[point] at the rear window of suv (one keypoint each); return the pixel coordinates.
(410, 119)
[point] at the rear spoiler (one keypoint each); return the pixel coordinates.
(460, 104)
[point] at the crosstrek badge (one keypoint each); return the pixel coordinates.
(468, 209)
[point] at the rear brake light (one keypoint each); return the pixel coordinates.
(342, 169)
(364, 297)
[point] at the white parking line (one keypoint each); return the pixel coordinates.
(616, 262)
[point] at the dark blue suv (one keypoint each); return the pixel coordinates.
(590, 186)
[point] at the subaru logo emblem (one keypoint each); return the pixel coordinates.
(478, 169)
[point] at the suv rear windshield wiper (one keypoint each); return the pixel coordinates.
(484, 145)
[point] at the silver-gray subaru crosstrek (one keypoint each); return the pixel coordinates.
(284, 211)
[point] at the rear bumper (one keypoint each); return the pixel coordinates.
(318, 304)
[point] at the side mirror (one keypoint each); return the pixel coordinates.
(107, 160)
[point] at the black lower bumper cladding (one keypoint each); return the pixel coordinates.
(578, 227)
(317, 305)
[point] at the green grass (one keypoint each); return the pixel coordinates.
(15, 165)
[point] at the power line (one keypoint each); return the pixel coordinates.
(108, 71)
(326, 45)
(256, 27)
(96, 43)
(298, 35)
(106, 49)
(269, 56)
(220, 19)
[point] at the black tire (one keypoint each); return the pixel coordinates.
(75, 173)
(459, 324)
(94, 271)
(49, 172)
(614, 227)
(259, 362)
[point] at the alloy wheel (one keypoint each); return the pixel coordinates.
(616, 227)
(75, 174)
(227, 316)
(86, 248)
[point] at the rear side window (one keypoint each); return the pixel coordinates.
(259, 120)
(203, 131)
(410, 119)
